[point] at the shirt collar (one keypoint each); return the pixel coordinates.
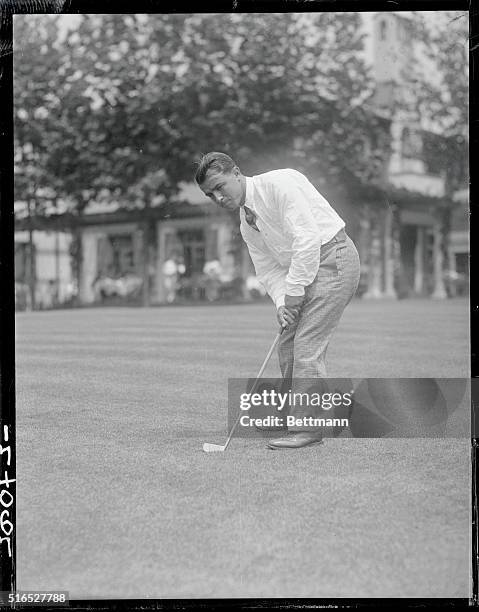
(249, 200)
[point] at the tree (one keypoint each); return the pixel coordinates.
(445, 103)
(36, 60)
(444, 100)
(151, 92)
(134, 99)
(452, 58)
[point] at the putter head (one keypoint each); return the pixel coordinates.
(213, 448)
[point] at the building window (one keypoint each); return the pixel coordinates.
(22, 262)
(194, 250)
(405, 32)
(116, 255)
(434, 147)
(411, 144)
(383, 26)
(462, 263)
(211, 243)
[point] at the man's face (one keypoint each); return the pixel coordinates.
(225, 189)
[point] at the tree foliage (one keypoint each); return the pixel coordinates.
(132, 100)
(36, 62)
(442, 95)
(120, 107)
(451, 54)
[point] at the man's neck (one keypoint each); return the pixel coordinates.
(243, 185)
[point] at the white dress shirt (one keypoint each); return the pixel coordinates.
(293, 220)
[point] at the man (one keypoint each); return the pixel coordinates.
(170, 278)
(302, 256)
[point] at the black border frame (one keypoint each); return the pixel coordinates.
(9, 8)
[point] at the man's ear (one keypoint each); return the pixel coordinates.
(236, 171)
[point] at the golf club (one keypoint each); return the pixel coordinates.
(214, 448)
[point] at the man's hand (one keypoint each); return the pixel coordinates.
(285, 317)
(288, 314)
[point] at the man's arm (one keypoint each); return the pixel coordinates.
(269, 273)
(272, 276)
(300, 224)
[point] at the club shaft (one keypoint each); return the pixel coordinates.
(256, 382)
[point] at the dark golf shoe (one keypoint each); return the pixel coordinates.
(295, 439)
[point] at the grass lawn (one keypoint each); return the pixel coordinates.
(116, 499)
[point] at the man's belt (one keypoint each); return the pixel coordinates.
(339, 237)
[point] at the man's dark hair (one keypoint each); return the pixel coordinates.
(216, 161)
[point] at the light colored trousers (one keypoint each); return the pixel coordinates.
(302, 348)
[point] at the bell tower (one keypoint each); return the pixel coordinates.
(393, 55)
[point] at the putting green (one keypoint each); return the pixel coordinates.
(117, 500)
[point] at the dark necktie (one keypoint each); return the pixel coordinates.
(250, 218)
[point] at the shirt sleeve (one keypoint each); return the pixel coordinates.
(269, 273)
(300, 224)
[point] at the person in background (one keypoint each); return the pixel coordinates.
(170, 278)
